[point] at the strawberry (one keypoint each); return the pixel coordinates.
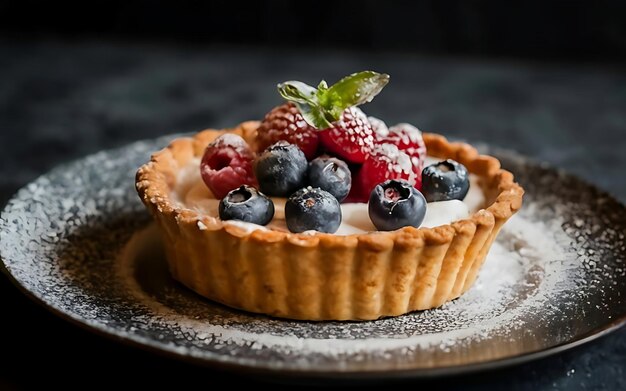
(227, 164)
(285, 122)
(385, 162)
(351, 137)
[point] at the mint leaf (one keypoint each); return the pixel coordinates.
(299, 92)
(352, 90)
(314, 115)
(323, 105)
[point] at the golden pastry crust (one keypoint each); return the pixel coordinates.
(325, 276)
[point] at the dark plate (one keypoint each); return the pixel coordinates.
(78, 241)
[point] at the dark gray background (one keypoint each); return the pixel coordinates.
(60, 101)
(544, 78)
(577, 30)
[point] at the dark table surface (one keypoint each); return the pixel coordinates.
(61, 101)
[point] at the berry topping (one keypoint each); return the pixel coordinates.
(346, 131)
(227, 164)
(247, 204)
(409, 140)
(379, 127)
(330, 174)
(395, 204)
(350, 138)
(323, 105)
(385, 162)
(446, 180)
(281, 169)
(312, 209)
(285, 122)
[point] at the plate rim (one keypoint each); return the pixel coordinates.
(312, 374)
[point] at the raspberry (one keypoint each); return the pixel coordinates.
(356, 194)
(409, 140)
(379, 127)
(227, 164)
(385, 162)
(285, 122)
(351, 138)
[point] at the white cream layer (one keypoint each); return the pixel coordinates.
(191, 192)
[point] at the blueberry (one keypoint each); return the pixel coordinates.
(395, 204)
(312, 209)
(247, 204)
(281, 169)
(330, 174)
(446, 180)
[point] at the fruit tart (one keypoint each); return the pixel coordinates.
(319, 212)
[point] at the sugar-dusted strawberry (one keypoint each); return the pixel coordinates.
(351, 137)
(285, 122)
(409, 140)
(227, 164)
(385, 162)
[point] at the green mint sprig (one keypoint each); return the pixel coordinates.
(323, 105)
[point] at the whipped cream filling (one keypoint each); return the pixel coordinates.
(191, 192)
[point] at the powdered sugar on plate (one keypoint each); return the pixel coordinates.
(525, 267)
(76, 240)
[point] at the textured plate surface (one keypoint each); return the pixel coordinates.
(79, 241)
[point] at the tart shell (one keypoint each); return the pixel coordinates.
(325, 276)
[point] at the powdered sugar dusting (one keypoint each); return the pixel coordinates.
(378, 126)
(556, 274)
(407, 133)
(394, 160)
(513, 267)
(231, 140)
